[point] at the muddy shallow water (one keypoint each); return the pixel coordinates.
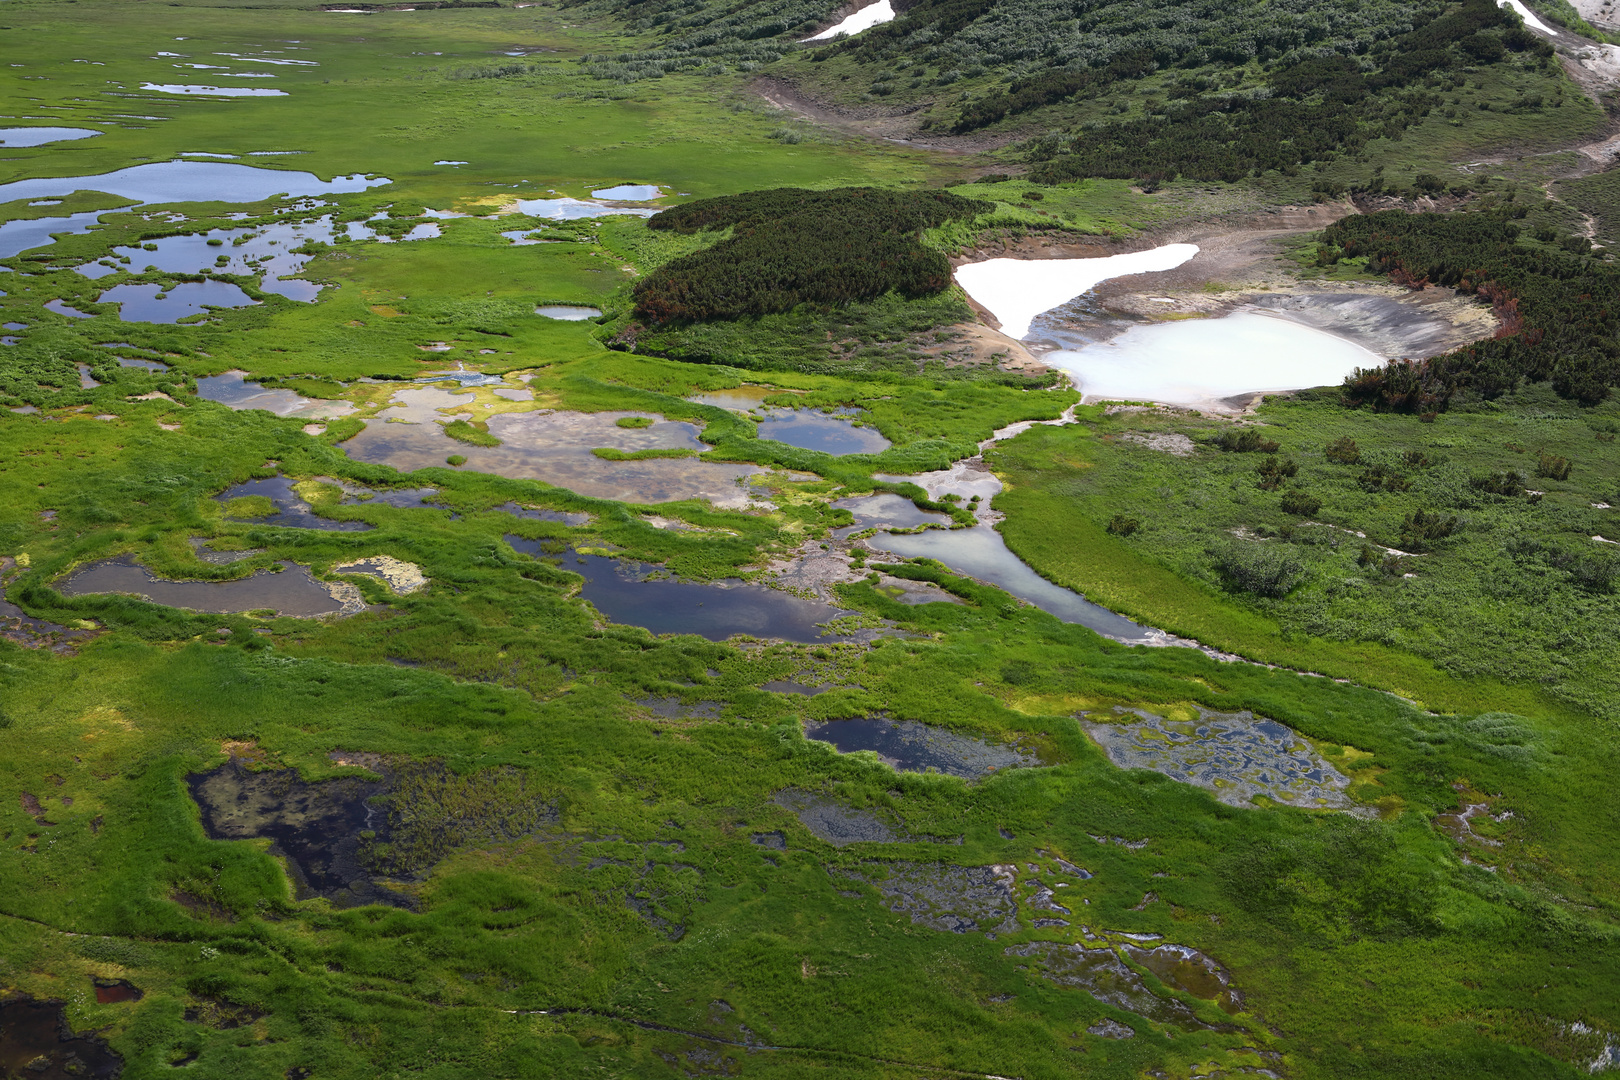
(1238, 756)
(234, 391)
(627, 593)
(555, 447)
(290, 510)
(886, 510)
(909, 746)
(291, 592)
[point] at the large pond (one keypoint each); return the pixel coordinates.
(291, 592)
(1017, 290)
(157, 304)
(554, 447)
(234, 391)
(638, 594)
(1201, 360)
(191, 181)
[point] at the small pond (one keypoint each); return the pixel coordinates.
(61, 307)
(629, 593)
(291, 592)
(812, 429)
(910, 746)
(567, 313)
(566, 209)
(155, 304)
(1202, 360)
(555, 447)
(234, 391)
(522, 238)
(1017, 290)
(1235, 755)
(886, 510)
(289, 509)
(630, 192)
(39, 136)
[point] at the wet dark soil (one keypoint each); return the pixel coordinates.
(37, 1044)
(113, 991)
(957, 899)
(909, 746)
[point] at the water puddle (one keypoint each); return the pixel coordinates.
(355, 841)
(1235, 755)
(909, 746)
(292, 592)
(886, 511)
(541, 514)
(812, 429)
(160, 304)
(1017, 290)
(213, 91)
(555, 447)
(191, 181)
(39, 136)
(867, 17)
(86, 380)
(36, 1041)
(630, 193)
(566, 209)
(286, 508)
(60, 307)
(637, 594)
(234, 391)
(568, 314)
(793, 686)
(1189, 971)
(116, 991)
(672, 708)
(1204, 360)
(525, 238)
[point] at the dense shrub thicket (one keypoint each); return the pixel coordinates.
(1559, 318)
(1309, 110)
(790, 246)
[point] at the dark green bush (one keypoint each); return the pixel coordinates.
(1244, 441)
(1120, 525)
(1263, 569)
(1552, 466)
(1273, 471)
(1301, 502)
(1420, 530)
(1344, 451)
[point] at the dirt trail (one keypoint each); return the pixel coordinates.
(884, 122)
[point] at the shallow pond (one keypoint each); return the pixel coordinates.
(36, 1041)
(981, 553)
(627, 593)
(234, 391)
(291, 592)
(1201, 360)
(566, 209)
(21, 235)
(910, 746)
(554, 447)
(886, 510)
(290, 510)
(39, 136)
(737, 399)
(1017, 290)
(60, 307)
(867, 17)
(567, 313)
(155, 304)
(630, 193)
(190, 181)
(1236, 755)
(812, 429)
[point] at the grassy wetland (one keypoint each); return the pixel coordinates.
(488, 315)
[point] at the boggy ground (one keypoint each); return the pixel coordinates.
(604, 850)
